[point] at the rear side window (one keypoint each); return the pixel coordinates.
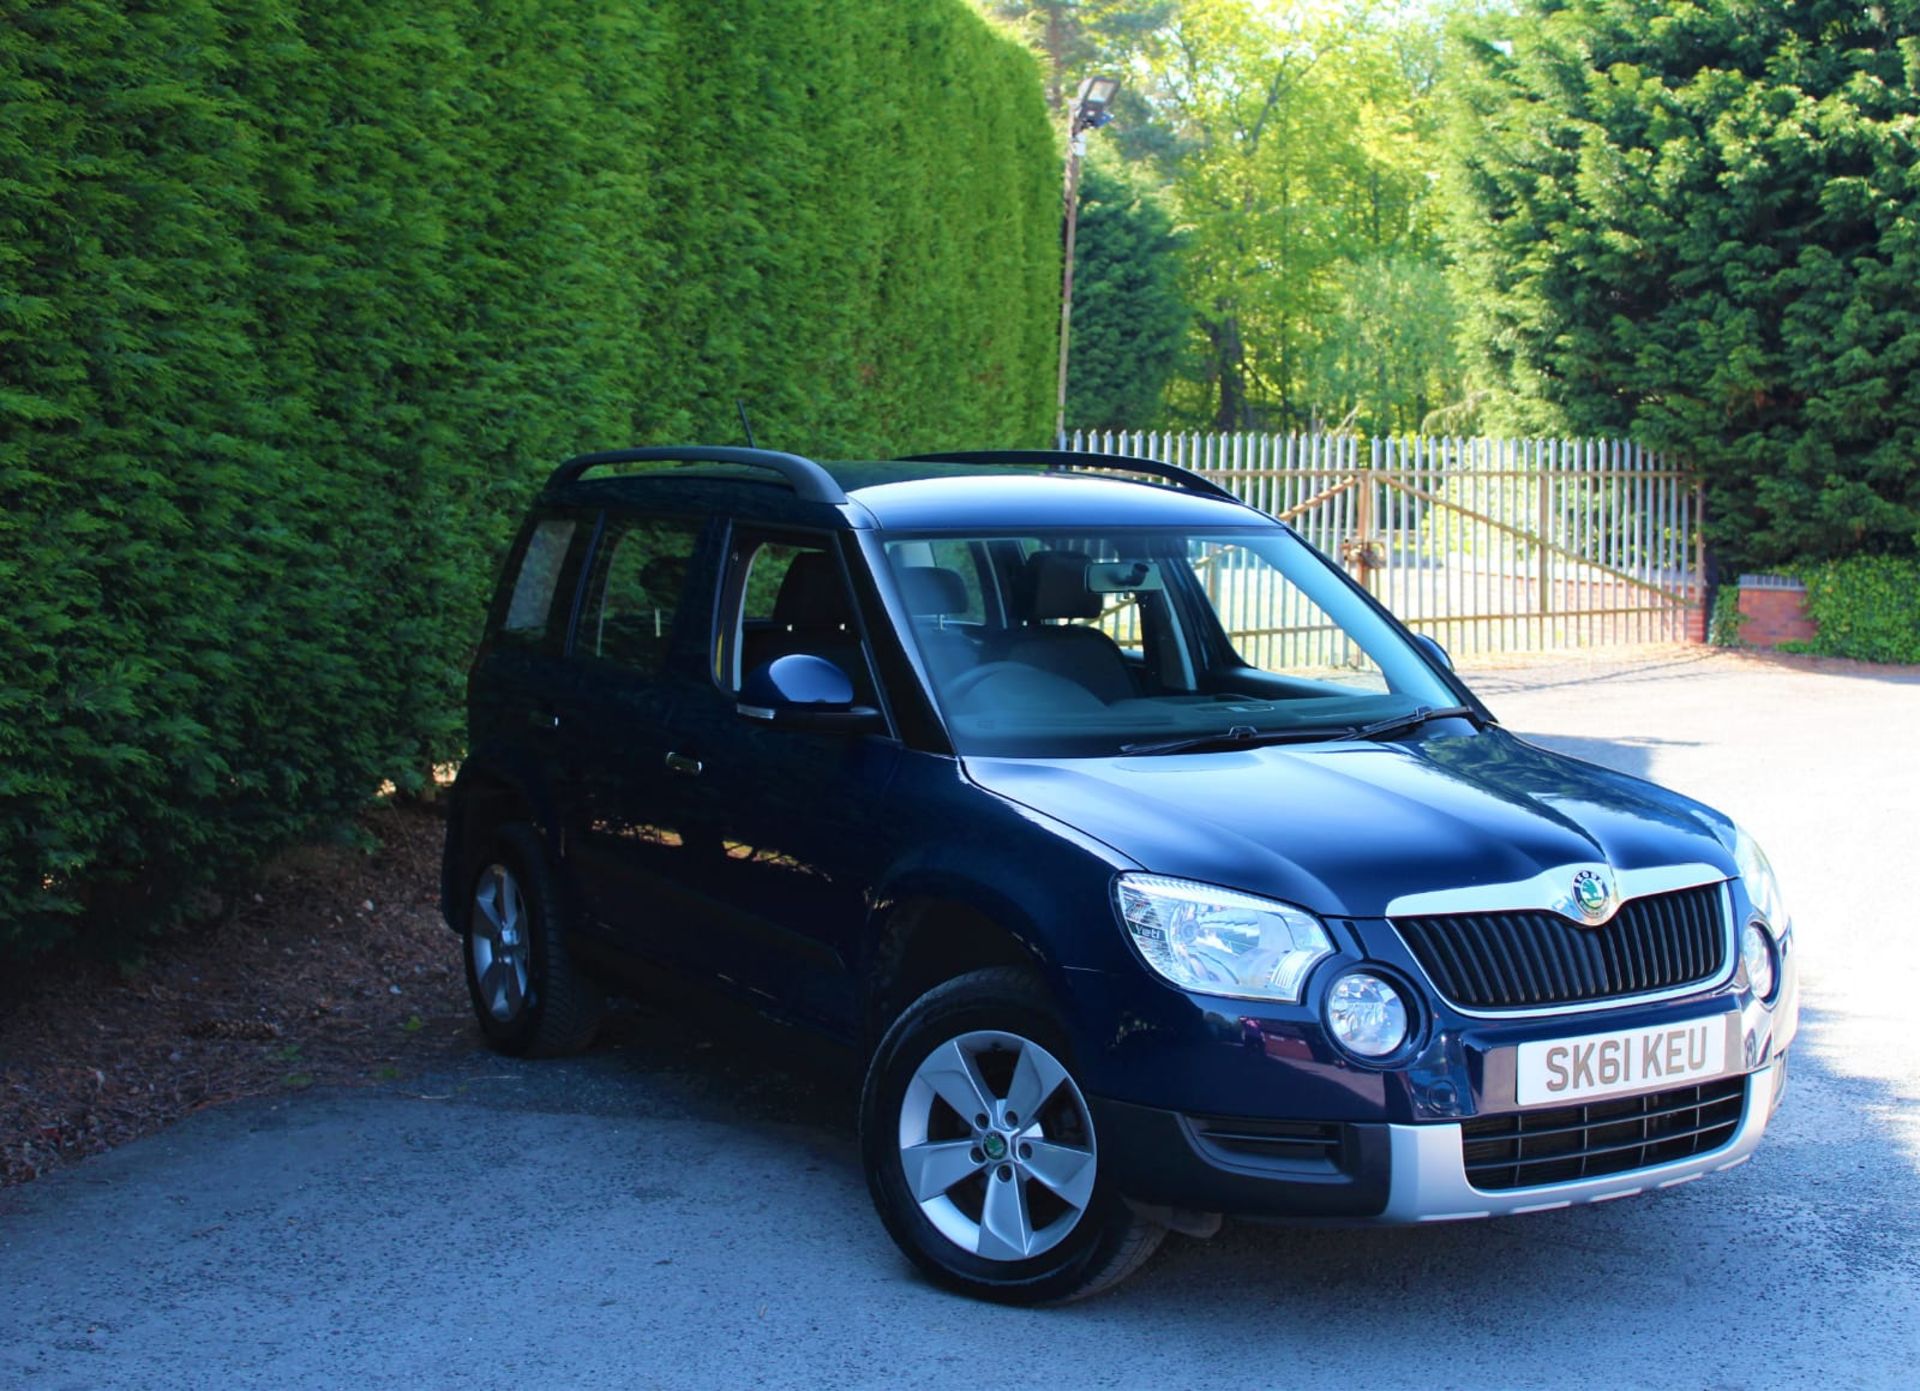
(531, 618)
(639, 579)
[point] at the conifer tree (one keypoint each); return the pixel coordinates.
(1129, 318)
(1699, 224)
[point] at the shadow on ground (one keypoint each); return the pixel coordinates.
(693, 1188)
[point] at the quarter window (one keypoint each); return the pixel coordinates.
(530, 612)
(1273, 624)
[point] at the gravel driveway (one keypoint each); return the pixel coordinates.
(684, 1208)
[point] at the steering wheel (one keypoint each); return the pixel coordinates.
(968, 683)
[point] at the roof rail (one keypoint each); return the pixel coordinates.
(1060, 460)
(811, 483)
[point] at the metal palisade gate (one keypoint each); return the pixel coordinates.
(1488, 545)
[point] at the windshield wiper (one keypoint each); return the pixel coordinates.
(1239, 737)
(1413, 719)
(1247, 737)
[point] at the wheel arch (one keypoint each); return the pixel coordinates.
(487, 794)
(927, 932)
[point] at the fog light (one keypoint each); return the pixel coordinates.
(1756, 952)
(1367, 1015)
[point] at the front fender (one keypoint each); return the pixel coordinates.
(1046, 885)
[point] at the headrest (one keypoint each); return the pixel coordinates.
(932, 590)
(1054, 585)
(664, 577)
(811, 594)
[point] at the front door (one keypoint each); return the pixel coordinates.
(792, 823)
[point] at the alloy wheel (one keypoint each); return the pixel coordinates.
(498, 939)
(997, 1146)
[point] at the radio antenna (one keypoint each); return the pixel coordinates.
(745, 424)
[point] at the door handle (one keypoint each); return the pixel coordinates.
(546, 721)
(680, 763)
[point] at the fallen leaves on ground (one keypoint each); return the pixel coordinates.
(337, 970)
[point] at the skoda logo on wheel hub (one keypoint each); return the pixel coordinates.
(1592, 895)
(995, 1145)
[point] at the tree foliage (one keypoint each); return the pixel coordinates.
(1699, 224)
(298, 302)
(1076, 38)
(1298, 143)
(1129, 318)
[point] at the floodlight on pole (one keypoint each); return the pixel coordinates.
(1091, 109)
(1096, 95)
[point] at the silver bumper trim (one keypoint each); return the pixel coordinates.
(1429, 1171)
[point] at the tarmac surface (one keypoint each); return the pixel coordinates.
(684, 1207)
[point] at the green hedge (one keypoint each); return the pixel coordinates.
(299, 301)
(1867, 608)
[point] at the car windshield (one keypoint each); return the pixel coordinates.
(1043, 644)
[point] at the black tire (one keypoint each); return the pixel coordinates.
(560, 1009)
(1109, 1240)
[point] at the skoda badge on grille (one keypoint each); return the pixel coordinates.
(1593, 896)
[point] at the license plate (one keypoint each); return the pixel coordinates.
(1617, 1064)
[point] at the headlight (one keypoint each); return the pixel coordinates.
(1756, 951)
(1366, 1014)
(1762, 888)
(1220, 942)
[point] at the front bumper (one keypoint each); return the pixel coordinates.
(1384, 1173)
(1428, 1180)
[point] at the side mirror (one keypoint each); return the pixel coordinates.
(802, 691)
(1434, 650)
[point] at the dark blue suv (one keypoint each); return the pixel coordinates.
(1158, 870)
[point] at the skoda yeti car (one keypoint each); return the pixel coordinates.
(1158, 872)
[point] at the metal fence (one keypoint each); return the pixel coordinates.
(1490, 545)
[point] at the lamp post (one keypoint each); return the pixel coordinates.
(1090, 110)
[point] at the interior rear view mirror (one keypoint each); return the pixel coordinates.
(1124, 576)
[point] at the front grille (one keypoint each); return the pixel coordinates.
(1602, 1137)
(1275, 1144)
(1512, 960)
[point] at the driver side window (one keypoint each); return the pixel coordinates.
(787, 594)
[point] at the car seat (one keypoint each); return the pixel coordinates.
(812, 614)
(1053, 585)
(933, 594)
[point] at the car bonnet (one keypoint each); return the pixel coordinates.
(1345, 828)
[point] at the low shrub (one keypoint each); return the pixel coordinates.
(1723, 624)
(1867, 608)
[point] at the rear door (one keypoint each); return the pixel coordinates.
(629, 664)
(510, 708)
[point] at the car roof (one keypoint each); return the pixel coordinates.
(961, 493)
(979, 500)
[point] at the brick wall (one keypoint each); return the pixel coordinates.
(1774, 614)
(1697, 617)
